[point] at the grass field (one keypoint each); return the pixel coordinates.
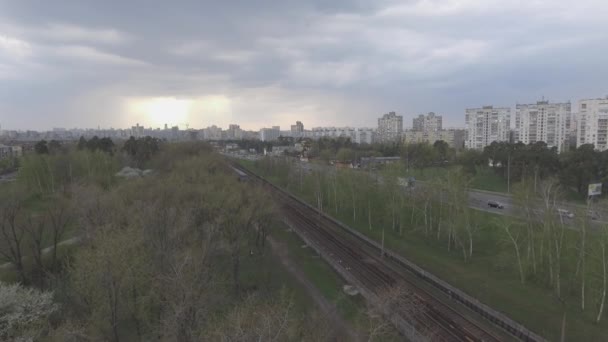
(320, 274)
(490, 276)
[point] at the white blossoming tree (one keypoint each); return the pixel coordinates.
(24, 312)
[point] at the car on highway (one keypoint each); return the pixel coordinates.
(565, 213)
(494, 204)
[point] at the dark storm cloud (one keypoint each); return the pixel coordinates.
(67, 63)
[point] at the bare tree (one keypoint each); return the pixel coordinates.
(514, 238)
(12, 232)
(59, 218)
(553, 231)
(36, 233)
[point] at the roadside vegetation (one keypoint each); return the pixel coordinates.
(537, 269)
(499, 167)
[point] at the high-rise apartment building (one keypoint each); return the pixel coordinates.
(137, 131)
(297, 130)
(234, 132)
(212, 133)
(543, 121)
(270, 134)
(592, 125)
(427, 123)
(486, 125)
(390, 127)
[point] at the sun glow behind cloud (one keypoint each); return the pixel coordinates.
(161, 110)
(197, 112)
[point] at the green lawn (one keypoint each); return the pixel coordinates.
(320, 274)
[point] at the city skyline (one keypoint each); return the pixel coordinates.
(336, 64)
(407, 120)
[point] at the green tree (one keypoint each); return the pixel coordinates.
(41, 147)
(82, 143)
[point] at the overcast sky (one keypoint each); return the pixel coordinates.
(260, 63)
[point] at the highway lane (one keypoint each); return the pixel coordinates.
(478, 199)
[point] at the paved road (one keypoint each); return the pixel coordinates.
(8, 177)
(478, 199)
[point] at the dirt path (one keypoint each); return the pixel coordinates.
(47, 250)
(344, 330)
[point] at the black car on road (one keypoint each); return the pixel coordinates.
(494, 204)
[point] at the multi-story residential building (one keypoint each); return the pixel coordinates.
(234, 132)
(365, 135)
(137, 131)
(212, 133)
(486, 125)
(297, 130)
(543, 121)
(335, 132)
(251, 135)
(592, 125)
(429, 122)
(454, 137)
(390, 127)
(270, 134)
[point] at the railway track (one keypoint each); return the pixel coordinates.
(429, 315)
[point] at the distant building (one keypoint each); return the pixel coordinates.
(429, 122)
(453, 137)
(297, 130)
(251, 135)
(390, 127)
(234, 132)
(365, 135)
(212, 133)
(543, 121)
(335, 132)
(486, 125)
(137, 131)
(270, 134)
(592, 125)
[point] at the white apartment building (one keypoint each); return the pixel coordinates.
(365, 135)
(390, 127)
(356, 135)
(212, 133)
(335, 132)
(543, 121)
(486, 125)
(270, 134)
(429, 122)
(592, 125)
(234, 132)
(297, 130)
